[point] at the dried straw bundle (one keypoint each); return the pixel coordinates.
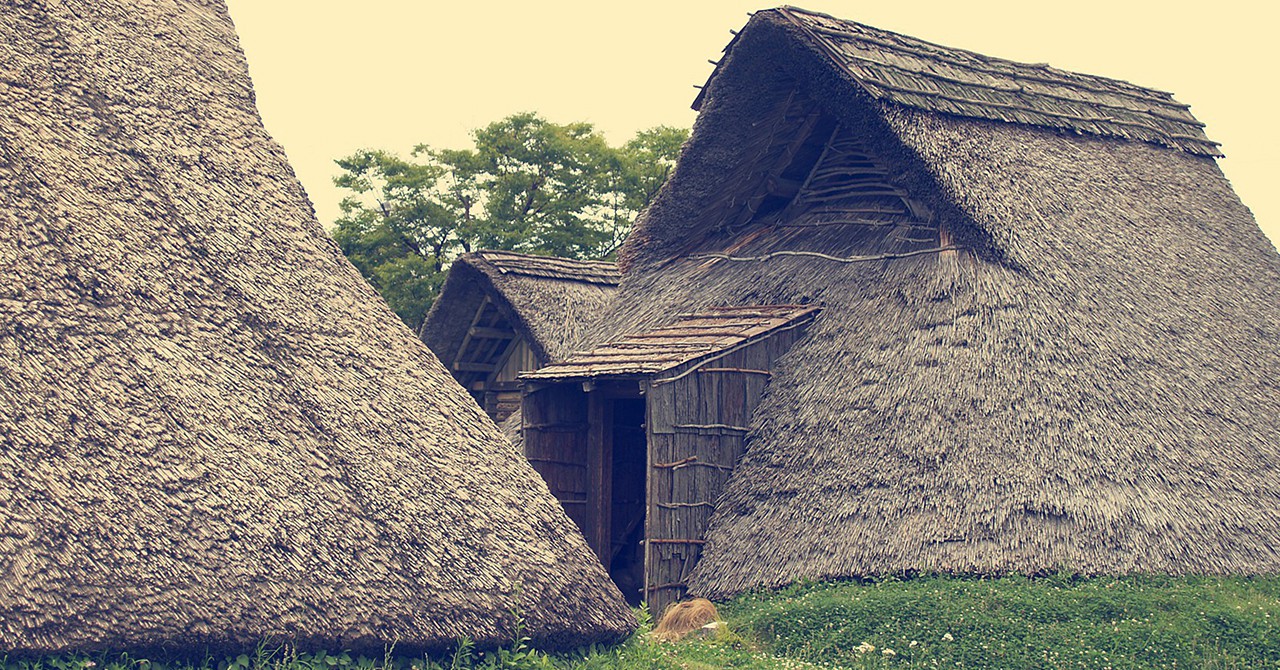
(682, 618)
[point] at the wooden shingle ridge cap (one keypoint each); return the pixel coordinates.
(920, 47)
(914, 73)
(549, 267)
(667, 347)
(906, 70)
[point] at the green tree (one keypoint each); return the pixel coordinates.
(526, 184)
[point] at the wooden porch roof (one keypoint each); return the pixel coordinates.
(692, 338)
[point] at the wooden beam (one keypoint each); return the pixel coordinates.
(783, 188)
(466, 339)
(764, 188)
(473, 367)
(748, 371)
(491, 333)
(648, 556)
(600, 473)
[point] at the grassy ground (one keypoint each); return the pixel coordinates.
(1015, 622)
(924, 622)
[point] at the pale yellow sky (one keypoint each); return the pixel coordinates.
(333, 76)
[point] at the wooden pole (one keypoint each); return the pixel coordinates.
(600, 469)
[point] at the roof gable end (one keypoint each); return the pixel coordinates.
(914, 73)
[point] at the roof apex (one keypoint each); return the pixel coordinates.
(903, 70)
(547, 267)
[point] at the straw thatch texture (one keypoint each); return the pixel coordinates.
(548, 300)
(212, 431)
(1066, 357)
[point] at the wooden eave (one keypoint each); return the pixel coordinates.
(692, 340)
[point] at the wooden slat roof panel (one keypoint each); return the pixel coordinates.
(550, 267)
(687, 340)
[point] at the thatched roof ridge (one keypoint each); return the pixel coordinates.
(549, 300)
(690, 339)
(922, 75)
(1064, 355)
(212, 431)
(552, 267)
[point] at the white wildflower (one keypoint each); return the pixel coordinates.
(889, 652)
(948, 637)
(866, 648)
(913, 643)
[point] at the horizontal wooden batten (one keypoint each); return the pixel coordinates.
(474, 367)
(685, 505)
(698, 428)
(745, 371)
(556, 427)
(553, 461)
(480, 332)
(690, 462)
(703, 464)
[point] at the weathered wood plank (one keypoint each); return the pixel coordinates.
(599, 472)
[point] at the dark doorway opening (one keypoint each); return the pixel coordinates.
(627, 498)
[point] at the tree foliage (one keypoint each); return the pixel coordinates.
(526, 184)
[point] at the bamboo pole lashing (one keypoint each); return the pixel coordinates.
(553, 461)
(815, 254)
(749, 371)
(711, 426)
(685, 505)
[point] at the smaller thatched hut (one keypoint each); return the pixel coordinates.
(501, 313)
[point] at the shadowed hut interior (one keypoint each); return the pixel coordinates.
(501, 313)
(637, 437)
(1049, 334)
(214, 435)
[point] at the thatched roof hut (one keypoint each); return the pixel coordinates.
(212, 431)
(1050, 331)
(501, 313)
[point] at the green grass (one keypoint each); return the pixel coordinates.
(1016, 622)
(925, 622)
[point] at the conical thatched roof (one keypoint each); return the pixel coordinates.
(211, 430)
(1048, 340)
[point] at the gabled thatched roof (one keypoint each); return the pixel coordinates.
(548, 300)
(914, 73)
(212, 431)
(1041, 347)
(691, 339)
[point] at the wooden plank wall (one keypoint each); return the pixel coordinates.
(555, 442)
(696, 428)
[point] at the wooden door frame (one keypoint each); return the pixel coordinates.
(600, 399)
